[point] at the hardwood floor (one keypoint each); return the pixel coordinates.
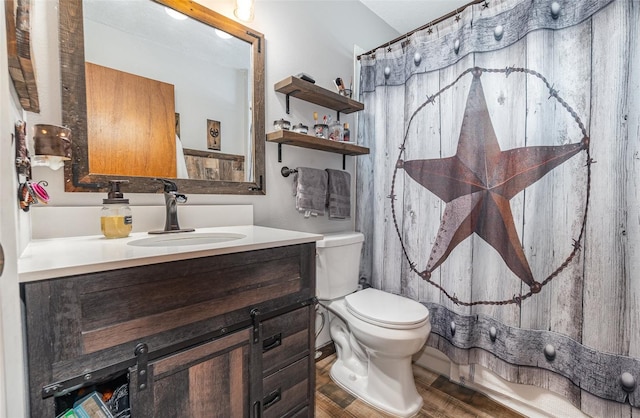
(441, 398)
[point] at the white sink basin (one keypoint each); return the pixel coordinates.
(186, 238)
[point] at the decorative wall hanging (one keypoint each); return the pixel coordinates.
(29, 192)
(214, 137)
(21, 64)
(51, 146)
(23, 161)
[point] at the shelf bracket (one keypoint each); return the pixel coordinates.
(279, 152)
(344, 160)
(287, 96)
(337, 115)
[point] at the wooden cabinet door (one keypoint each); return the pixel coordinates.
(208, 380)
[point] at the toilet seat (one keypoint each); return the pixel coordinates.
(386, 309)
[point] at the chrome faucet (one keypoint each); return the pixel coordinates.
(171, 200)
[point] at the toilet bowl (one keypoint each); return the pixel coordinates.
(375, 333)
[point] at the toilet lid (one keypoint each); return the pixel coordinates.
(385, 309)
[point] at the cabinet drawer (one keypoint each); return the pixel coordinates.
(286, 338)
(286, 390)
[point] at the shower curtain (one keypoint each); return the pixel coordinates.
(502, 190)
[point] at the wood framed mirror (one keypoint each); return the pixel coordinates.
(99, 112)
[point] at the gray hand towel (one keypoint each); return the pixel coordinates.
(339, 197)
(310, 189)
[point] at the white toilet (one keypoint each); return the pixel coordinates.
(375, 333)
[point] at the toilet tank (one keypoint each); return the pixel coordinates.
(338, 264)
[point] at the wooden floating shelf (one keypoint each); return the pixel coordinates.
(309, 92)
(309, 141)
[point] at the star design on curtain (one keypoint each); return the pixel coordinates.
(479, 181)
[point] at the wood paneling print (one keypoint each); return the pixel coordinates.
(504, 165)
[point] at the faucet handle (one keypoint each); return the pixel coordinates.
(169, 186)
(180, 198)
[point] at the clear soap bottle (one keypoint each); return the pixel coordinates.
(335, 131)
(115, 218)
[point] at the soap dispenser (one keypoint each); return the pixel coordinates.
(115, 217)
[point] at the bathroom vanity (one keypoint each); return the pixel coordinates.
(208, 329)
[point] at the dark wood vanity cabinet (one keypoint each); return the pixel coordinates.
(227, 335)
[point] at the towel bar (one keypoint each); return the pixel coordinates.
(285, 171)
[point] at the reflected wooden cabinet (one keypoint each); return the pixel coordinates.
(132, 113)
(228, 335)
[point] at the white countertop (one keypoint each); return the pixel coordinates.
(59, 257)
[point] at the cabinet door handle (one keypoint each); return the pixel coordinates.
(1, 260)
(271, 399)
(271, 342)
(257, 412)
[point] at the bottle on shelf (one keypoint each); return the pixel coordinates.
(335, 131)
(346, 133)
(321, 130)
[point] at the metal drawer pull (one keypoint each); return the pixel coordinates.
(271, 342)
(271, 399)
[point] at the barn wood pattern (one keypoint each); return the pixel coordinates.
(594, 301)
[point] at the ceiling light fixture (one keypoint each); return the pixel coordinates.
(244, 10)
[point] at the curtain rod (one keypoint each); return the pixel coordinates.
(433, 22)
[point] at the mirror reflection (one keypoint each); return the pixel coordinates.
(167, 95)
(207, 70)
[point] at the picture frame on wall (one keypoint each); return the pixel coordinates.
(213, 135)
